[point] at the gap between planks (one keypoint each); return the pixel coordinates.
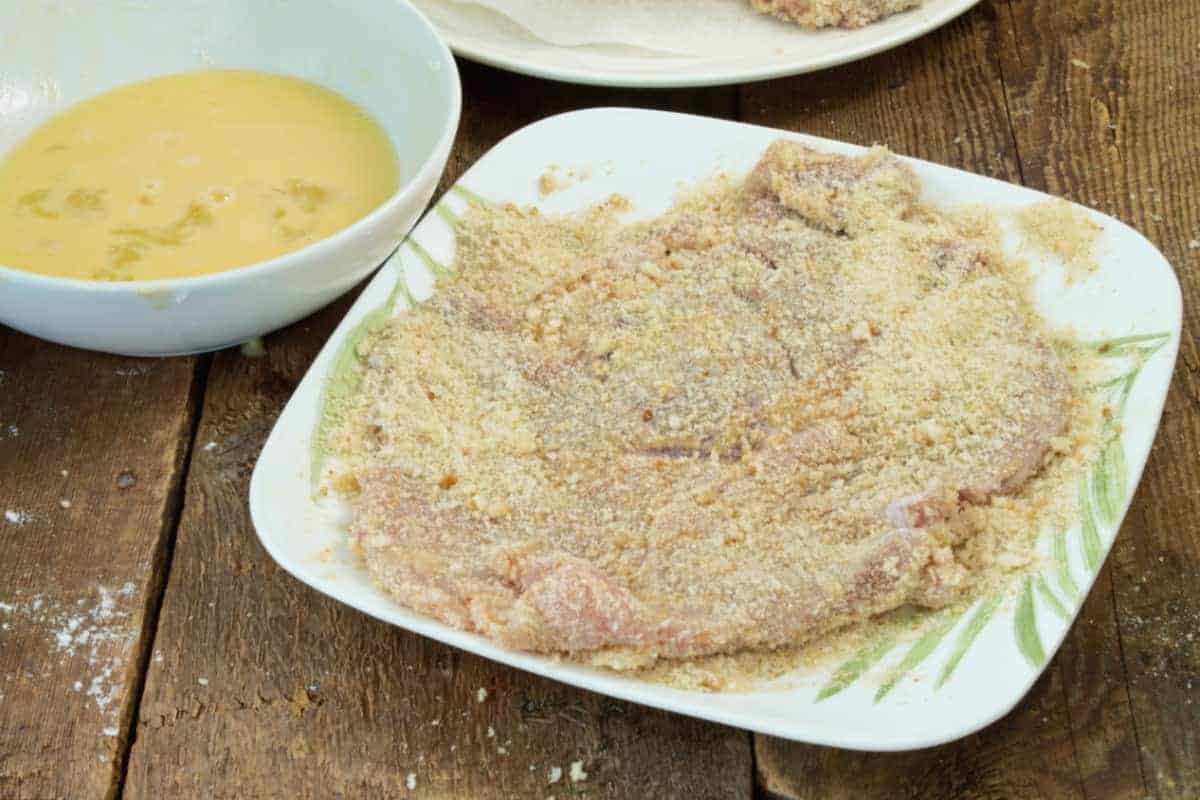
(161, 566)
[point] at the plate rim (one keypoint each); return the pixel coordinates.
(668, 698)
(654, 79)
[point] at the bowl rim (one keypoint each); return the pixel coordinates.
(318, 249)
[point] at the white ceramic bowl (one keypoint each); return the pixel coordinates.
(382, 54)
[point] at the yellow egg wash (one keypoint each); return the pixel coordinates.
(190, 174)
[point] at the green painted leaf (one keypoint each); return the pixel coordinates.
(1123, 394)
(1114, 382)
(1121, 344)
(852, 670)
(344, 376)
(1090, 535)
(468, 195)
(1062, 566)
(436, 267)
(1028, 640)
(444, 211)
(920, 650)
(1109, 477)
(1052, 600)
(410, 302)
(966, 637)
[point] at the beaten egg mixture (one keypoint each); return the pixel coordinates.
(190, 174)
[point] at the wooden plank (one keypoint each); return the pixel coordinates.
(499, 103)
(1106, 106)
(1004, 761)
(940, 98)
(91, 450)
(260, 687)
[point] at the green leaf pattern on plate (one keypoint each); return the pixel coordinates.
(850, 671)
(1062, 566)
(345, 372)
(447, 214)
(921, 650)
(1089, 533)
(1052, 599)
(1029, 641)
(1103, 491)
(968, 635)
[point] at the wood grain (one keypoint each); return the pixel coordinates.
(91, 449)
(255, 686)
(260, 687)
(1026, 755)
(497, 104)
(1106, 111)
(941, 98)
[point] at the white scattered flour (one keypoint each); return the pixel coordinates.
(93, 630)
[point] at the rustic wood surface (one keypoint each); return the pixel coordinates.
(91, 455)
(149, 647)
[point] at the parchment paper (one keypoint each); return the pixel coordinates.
(711, 29)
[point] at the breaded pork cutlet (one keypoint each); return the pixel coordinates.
(833, 13)
(738, 426)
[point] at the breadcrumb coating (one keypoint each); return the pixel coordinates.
(785, 406)
(833, 13)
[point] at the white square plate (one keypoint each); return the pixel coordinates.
(945, 681)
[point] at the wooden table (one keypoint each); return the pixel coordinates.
(149, 648)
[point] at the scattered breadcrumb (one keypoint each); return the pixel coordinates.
(202, 681)
(411, 781)
(481, 695)
(64, 503)
(1076, 62)
(254, 348)
(555, 178)
(1064, 230)
(577, 772)
(833, 13)
(548, 183)
(556, 774)
(17, 517)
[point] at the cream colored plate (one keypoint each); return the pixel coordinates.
(731, 55)
(946, 680)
